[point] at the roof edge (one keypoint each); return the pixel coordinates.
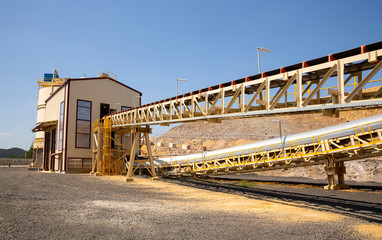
(92, 78)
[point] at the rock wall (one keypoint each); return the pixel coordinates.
(15, 161)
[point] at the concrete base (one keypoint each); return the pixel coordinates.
(343, 186)
(34, 169)
(335, 168)
(336, 187)
(129, 179)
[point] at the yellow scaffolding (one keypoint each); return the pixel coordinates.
(111, 150)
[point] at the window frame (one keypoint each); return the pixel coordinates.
(90, 121)
(61, 126)
(81, 162)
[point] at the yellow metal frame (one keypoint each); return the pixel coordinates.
(358, 145)
(105, 160)
(110, 74)
(109, 160)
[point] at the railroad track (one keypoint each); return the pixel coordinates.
(340, 202)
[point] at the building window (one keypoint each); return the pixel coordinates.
(124, 108)
(84, 109)
(104, 110)
(61, 126)
(80, 163)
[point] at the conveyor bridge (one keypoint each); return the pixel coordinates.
(344, 80)
(331, 148)
(329, 83)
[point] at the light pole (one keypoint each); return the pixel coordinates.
(258, 55)
(177, 80)
(281, 134)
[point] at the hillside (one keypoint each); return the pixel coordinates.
(235, 132)
(12, 153)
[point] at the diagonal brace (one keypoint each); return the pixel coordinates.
(364, 82)
(282, 92)
(320, 84)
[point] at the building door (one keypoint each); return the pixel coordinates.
(104, 110)
(46, 156)
(52, 149)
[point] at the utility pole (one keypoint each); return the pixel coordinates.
(258, 56)
(177, 80)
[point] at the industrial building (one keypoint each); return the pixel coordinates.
(340, 81)
(65, 112)
(67, 140)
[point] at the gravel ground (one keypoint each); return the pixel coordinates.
(38, 205)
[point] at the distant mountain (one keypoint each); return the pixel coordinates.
(12, 153)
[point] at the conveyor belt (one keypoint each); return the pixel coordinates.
(328, 146)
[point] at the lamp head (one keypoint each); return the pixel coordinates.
(263, 49)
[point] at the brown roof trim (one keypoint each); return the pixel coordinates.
(98, 78)
(94, 78)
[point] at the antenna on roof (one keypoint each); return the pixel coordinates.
(55, 73)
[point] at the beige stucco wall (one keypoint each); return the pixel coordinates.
(97, 91)
(52, 108)
(52, 113)
(43, 94)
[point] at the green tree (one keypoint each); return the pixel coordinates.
(30, 152)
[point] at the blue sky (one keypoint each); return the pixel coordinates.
(149, 44)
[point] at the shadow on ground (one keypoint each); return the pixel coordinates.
(340, 202)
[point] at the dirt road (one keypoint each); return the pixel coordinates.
(36, 205)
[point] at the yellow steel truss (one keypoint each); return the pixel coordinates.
(363, 144)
